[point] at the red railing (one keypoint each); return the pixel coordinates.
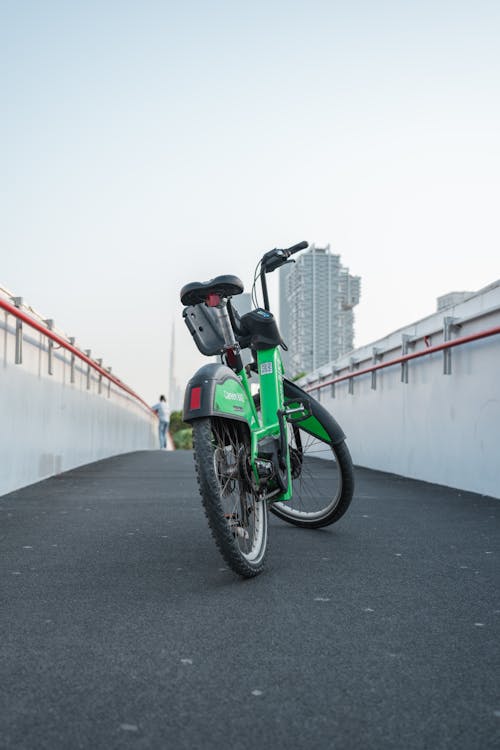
(17, 313)
(407, 357)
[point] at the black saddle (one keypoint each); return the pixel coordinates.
(197, 291)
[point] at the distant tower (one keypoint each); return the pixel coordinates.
(172, 385)
(242, 303)
(317, 296)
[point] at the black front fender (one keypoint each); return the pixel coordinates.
(293, 391)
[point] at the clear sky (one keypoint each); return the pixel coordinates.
(148, 144)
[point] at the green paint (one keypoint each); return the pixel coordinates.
(271, 371)
(231, 399)
(313, 427)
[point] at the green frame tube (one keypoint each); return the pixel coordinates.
(270, 372)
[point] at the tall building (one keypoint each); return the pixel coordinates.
(242, 303)
(317, 297)
(175, 393)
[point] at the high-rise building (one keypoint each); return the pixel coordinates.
(317, 296)
(175, 394)
(242, 303)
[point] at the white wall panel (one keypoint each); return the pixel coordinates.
(438, 428)
(48, 424)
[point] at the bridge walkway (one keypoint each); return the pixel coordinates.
(122, 627)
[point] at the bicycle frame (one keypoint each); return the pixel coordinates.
(219, 390)
(270, 370)
(257, 452)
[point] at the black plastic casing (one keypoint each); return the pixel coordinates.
(208, 378)
(295, 392)
(204, 327)
(259, 330)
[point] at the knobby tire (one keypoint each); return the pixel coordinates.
(232, 511)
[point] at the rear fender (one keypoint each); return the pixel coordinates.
(216, 391)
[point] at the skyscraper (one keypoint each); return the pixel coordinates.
(175, 395)
(317, 296)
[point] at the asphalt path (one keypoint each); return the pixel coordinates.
(123, 628)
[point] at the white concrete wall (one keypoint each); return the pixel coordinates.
(439, 428)
(49, 424)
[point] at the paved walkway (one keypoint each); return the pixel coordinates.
(121, 626)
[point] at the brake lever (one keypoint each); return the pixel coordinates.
(277, 263)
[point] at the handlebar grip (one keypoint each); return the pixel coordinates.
(276, 258)
(296, 248)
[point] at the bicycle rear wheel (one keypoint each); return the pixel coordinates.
(237, 519)
(322, 476)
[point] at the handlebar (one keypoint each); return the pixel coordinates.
(276, 258)
(295, 248)
(273, 260)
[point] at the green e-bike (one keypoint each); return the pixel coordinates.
(259, 442)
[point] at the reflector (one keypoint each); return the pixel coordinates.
(195, 398)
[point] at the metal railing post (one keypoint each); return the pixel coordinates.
(18, 356)
(88, 352)
(449, 324)
(72, 361)
(406, 340)
(99, 387)
(50, 345)
(352, 366)
(376, 357)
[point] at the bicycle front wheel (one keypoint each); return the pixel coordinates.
(322, 475)
(237, 519)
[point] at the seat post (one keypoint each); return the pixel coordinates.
(220, 309)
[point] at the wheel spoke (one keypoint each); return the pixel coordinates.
(242, 514)
(316, 481)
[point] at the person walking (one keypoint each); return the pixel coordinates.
(161, 409)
